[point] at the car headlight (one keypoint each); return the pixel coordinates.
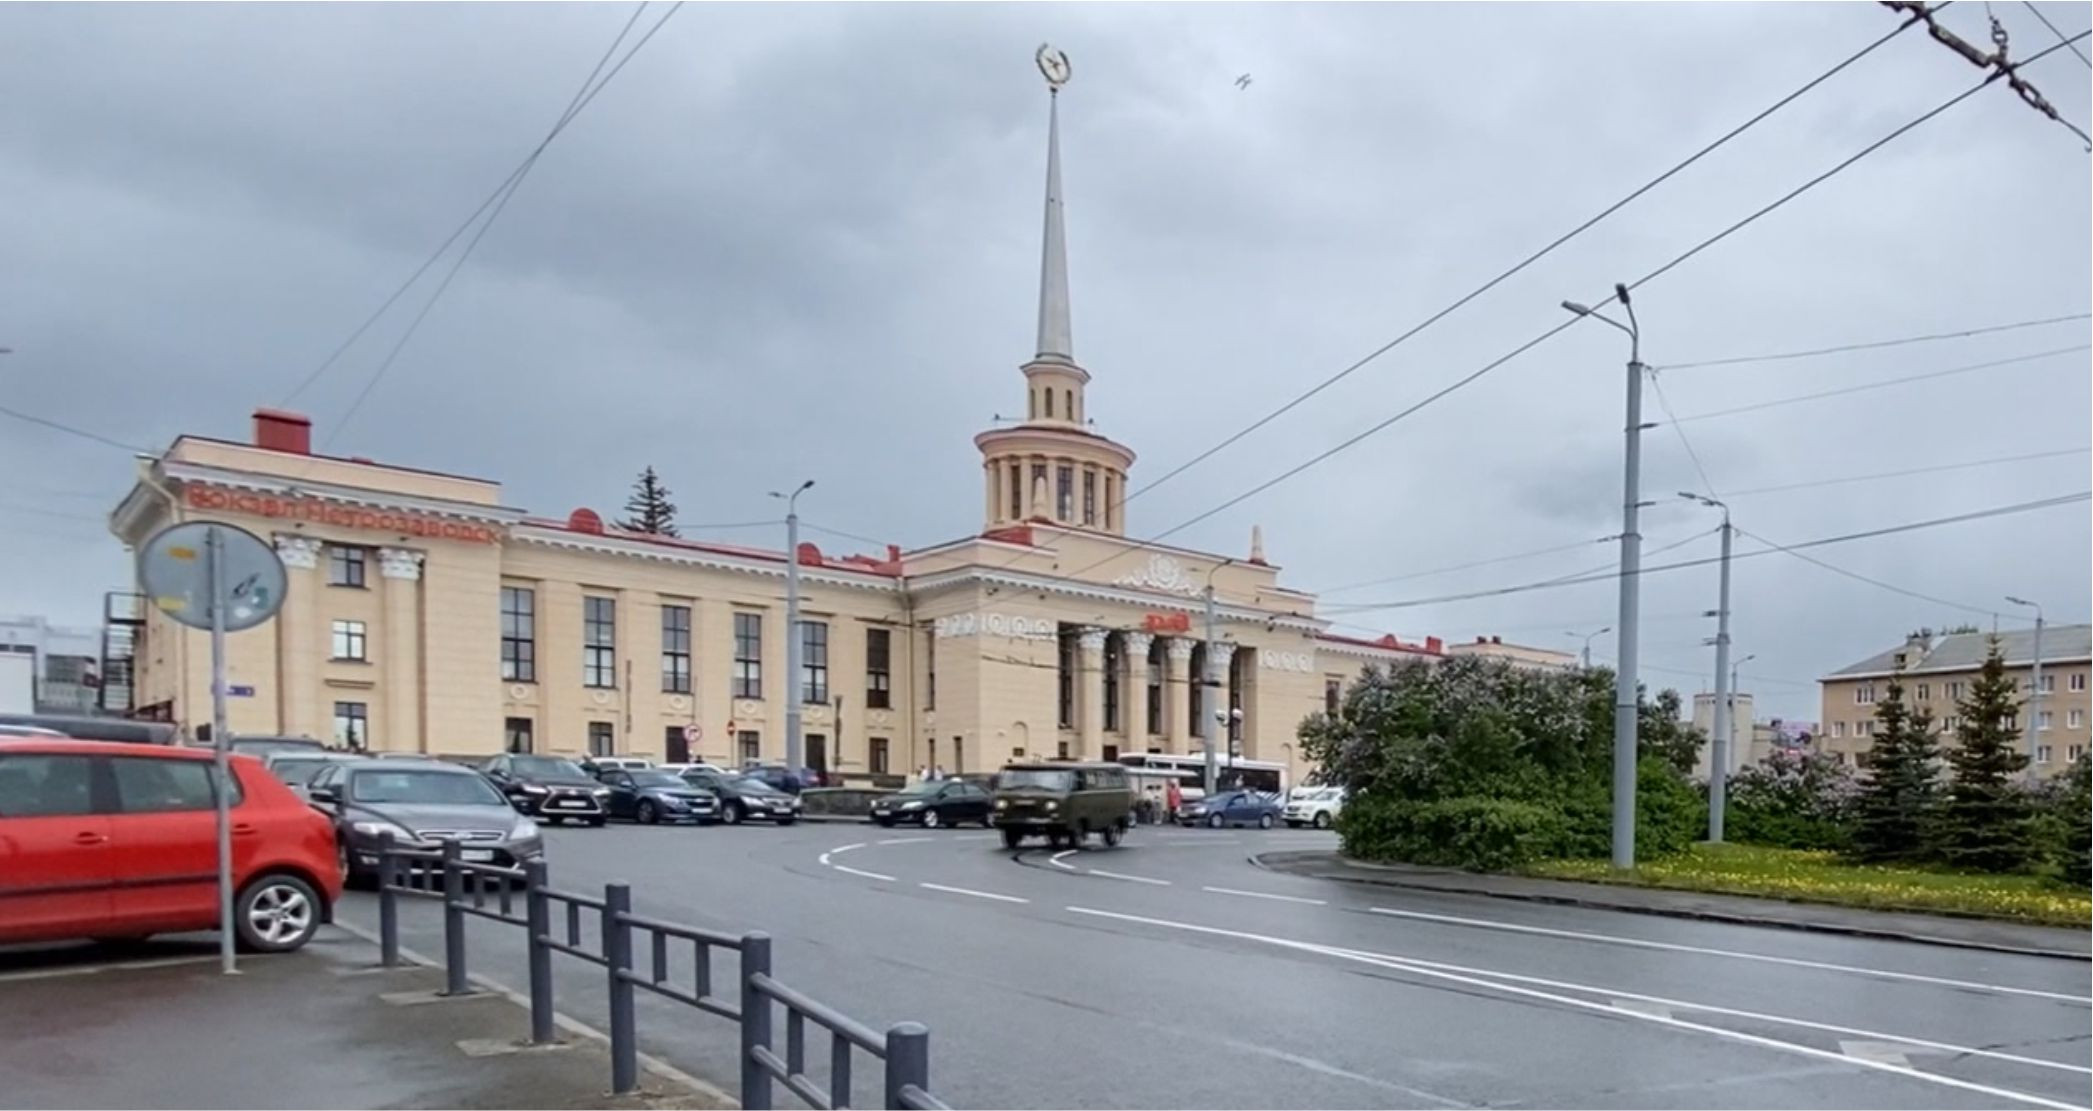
(523, 830)
(1002, 804)
(912, 806)
(600, 792)
(1053, 805)
(381, 829)
(532, 788)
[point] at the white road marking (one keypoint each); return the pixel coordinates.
(1419, 969)
(1263, 895)
(114, 966)
(1888, 1053)
(975, 894)
(1055, 860)
(847, 848)
(1640, 1007)
(861, 872)
(1641, 943)
(905, 840)
(1127, 878)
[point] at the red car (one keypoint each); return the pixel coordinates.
(116, 841)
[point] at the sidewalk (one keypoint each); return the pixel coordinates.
(325, 1027)
(1967, 933)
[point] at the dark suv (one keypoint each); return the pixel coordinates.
(548, 787)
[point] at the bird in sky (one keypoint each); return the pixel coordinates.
(1243, 82)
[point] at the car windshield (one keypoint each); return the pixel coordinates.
(657, 779)
(750, 785)
(298, 773)
(1042, 779)
(422, 785)
(547, 765)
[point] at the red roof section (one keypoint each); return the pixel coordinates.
(586, 522)
(1430, 647)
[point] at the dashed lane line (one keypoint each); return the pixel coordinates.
(861, 872)
(1266, 895)
(974, 893)
(906, 840)
(116, 966)
(1766, 958)
(1127, 878)
(1482, 980)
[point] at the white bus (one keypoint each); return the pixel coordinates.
(1251, 775)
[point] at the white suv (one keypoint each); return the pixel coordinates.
(1313, 806)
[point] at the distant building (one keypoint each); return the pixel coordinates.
(67, 662)
(1744, 746)
(1546, 659)
(1936, 671)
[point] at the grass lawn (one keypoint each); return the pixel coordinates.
(1821, 877)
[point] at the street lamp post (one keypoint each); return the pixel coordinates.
(1207, 680)
(1587, 655)
(1625, 692)
(1725, 721)
(2034, 683)
(794, 742)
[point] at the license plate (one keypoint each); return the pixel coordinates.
(476, 855)
(567, 804)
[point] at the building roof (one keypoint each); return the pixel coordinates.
(1966, 651)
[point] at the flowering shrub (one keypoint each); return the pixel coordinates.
(1793, 799)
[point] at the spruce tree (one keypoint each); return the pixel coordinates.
(1987, 822)
(649, 508)
(2078, 854)
(1901, 794)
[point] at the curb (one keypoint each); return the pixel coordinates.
(1697, 914)
(660, 1068)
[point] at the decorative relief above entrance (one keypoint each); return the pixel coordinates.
(997, 625)
(1286, 661)
(1161, 574)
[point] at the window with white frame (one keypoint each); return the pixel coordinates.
(2078, 681)
(2074, 719)
(1864, 695)
(1924, 692)
(349, 641)
(2074, 753)
(2043, 719)
(2042, 754)
(1838, 729)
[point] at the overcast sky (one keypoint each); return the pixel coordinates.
(799, 240)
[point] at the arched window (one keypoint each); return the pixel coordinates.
(1050, 404)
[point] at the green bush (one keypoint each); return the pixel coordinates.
(1473, 832)
(1792, 800)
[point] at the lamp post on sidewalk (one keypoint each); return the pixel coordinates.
(1207, 680)
(1725, 727)
(793, 740)
(1625, 687)
(1587, 654)
(2034, 683)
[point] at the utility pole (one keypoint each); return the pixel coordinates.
(1725, 727)
(1207, 682)
(794, 743)
(1626, 695)
(2034, 684)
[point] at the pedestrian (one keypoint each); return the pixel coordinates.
(923, 773)
(1173, 798)
(937, 773)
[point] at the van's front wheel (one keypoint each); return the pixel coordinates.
(1112, 836)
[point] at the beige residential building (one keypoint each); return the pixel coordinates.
(1546, 659)
(426, 613)
(1936, 672)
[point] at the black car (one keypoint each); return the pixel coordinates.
(933, 803)
(784, 778)
(419, 804)
(549, 787)
(742, 797)
(648, 796)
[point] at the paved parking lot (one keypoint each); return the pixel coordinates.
(1173, 973)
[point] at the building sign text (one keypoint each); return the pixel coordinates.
(320, 511)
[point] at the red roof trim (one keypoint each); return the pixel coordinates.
(1389, 642)
(861, 564)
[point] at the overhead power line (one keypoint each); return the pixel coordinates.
(1550, 333)
(1521, 265)
(1910, 471)
(1891, 587)
(1915, 526)
(1883, 384)
(58, 426)
(1996, 60)
(1602, 570)
(2060, 35)
(1874, 344)
(1465, 566)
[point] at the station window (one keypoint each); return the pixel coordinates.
(352, 725)
(879, 650)
(349, 641)
(344, 565)
(675, 649)
(519, 634)
(748, 655)
(599, 642)
(600, 738)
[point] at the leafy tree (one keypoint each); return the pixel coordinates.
(1987, 820)
(649, 508)
(1901, 794)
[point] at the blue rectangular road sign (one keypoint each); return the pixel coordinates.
(239, 692)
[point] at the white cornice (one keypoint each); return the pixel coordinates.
(550, 537)
(348, 495)
(1077, 588)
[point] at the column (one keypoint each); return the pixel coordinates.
(1175, 694)
(402, 571)
(1090, 698)
(1133, 687)
(300, 640)
(1217, 671)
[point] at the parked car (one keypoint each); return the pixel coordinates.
(933, 803)
(650, 795)
(420, 804)
(1313, 806)
(1232, 808)
(597, 765)
(548, 787)
(742, 797)
(784, 778)
(296, 767)
(264, 745)
(1062, 802)
(97, 728)
(7, 730)
(112, 840)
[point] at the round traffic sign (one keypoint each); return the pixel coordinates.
(693, 732)
(175, 569)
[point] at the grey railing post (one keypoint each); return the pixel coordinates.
(617, 954)
(388, 903)
(908, 1061)
(537, 915)
(455, 982)
(755, 1022)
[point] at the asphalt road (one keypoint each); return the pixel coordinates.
(1171, 972)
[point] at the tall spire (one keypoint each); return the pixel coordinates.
(1055, 343)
